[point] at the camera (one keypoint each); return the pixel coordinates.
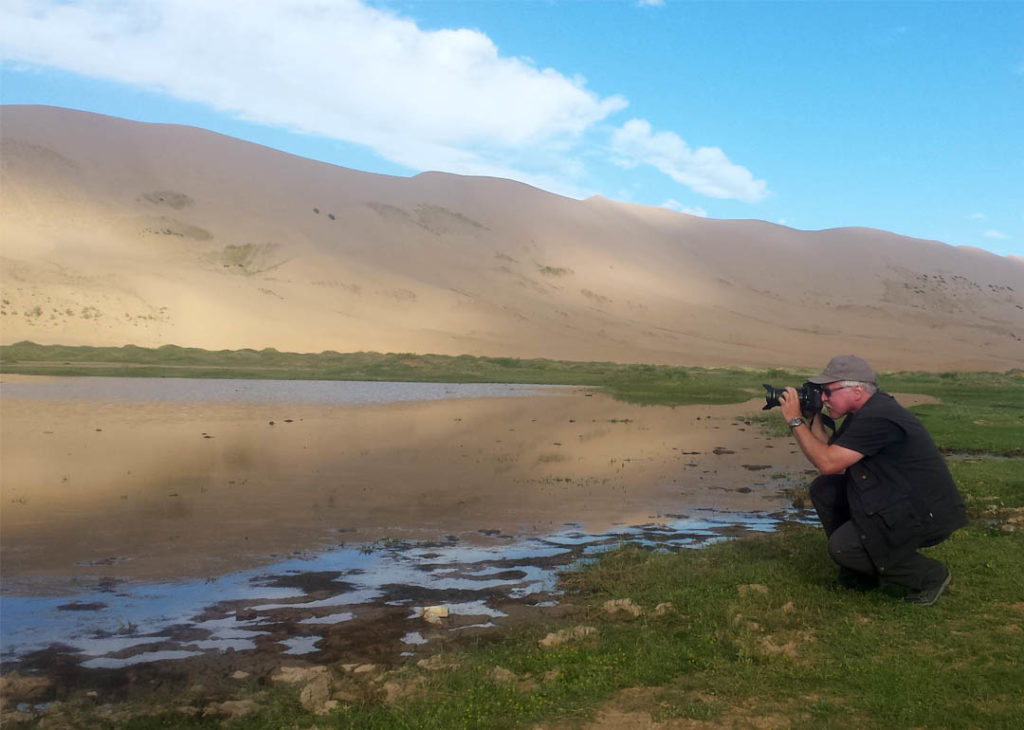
(808, 393)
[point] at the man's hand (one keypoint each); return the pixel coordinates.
(828, 459)
(789, 404)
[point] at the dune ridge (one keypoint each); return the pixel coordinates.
(118, 232)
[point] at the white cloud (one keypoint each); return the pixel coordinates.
(977, 216)
(650, 3)
(706, 170)
(997, 235)
(673, 204)
(343, 69)
(443, 99)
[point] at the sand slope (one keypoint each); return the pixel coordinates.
(118, 232)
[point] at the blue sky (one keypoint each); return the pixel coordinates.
(904, 116)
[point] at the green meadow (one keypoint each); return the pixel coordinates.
(743, 633)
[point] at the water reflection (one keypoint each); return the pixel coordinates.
(131, 624)
(114, 478)
(227, 390)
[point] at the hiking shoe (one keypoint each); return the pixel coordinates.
(928, 596)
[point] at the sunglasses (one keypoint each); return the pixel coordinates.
(830, 391)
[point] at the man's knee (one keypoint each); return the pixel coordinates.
(846, 549)
(837, 548)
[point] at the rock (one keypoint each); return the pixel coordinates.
(434, 614)
(230, 708)
(434, 664)
(752, 588)
(576, 633)
(345, 694)
(299, 675)
(16, 716)
(316, 682)
(663, 609)
(623, 605)
(500, 674)
(316, 694)
(15, 688)
(395, 690)
(240, 675)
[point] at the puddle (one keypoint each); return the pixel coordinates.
(293, 605)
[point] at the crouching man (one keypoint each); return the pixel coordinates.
(884, 491)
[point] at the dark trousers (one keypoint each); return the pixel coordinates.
(915, 572)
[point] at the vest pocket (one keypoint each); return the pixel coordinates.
(901, 522)
(887, 504)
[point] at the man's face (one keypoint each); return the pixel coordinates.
(839, 398)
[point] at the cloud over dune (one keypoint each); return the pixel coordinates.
(444, 99)
(706, 170)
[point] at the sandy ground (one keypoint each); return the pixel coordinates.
(115, 232)
(164, 490)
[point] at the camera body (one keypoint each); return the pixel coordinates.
(809, 394)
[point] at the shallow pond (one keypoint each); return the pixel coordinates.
(168, 519)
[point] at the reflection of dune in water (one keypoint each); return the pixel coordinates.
(130, 487)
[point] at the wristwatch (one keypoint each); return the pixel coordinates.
(794, 422)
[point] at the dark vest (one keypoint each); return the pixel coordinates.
(902, 497)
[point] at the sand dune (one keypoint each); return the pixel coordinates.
(117, 232)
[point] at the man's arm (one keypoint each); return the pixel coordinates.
(817, 424)
(813, 440)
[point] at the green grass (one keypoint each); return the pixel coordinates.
(979, 412)
(795, 654)
(652, 384)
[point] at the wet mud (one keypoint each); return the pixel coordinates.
(355, 606)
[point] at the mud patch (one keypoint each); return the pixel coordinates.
(350, 605)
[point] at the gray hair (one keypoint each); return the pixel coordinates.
(869, 388)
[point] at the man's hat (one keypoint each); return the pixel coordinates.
(844, 367)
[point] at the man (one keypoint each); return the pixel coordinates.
(884, 491)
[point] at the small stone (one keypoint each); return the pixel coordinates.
(298, 675)
(316, 695)
(230, 708)
(623, 605)
(500, 674)
(13, 686)
(345, 695)
(576, 633)
(434, 664)
(434, 614)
